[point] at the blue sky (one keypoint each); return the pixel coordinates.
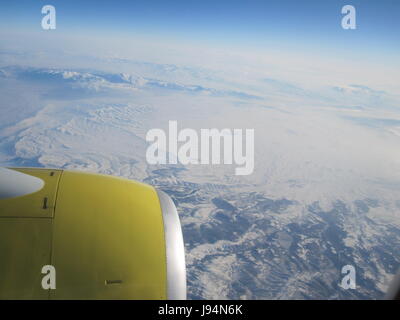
(244, 23)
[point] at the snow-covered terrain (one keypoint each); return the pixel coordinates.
(325, 191)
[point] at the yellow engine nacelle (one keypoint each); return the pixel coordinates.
(106, 237)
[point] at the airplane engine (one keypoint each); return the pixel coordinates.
(106, 237)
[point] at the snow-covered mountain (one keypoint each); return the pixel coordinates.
(324, 192)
